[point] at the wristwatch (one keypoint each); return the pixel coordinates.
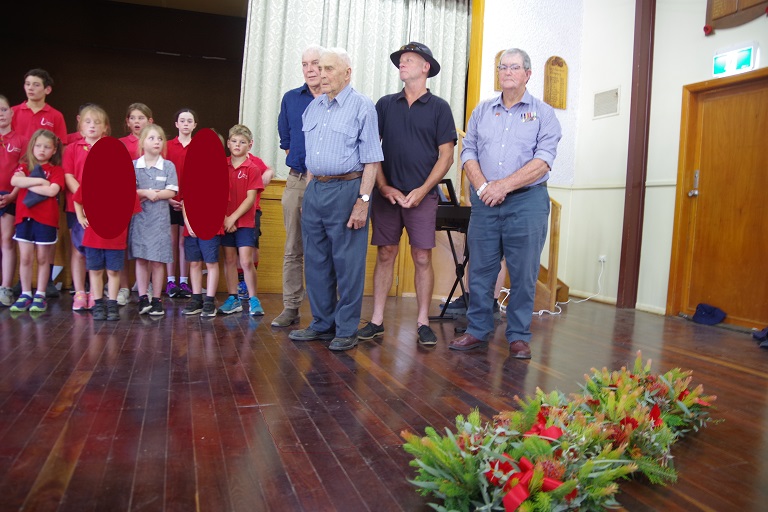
(364, 197)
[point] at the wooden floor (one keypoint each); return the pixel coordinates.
(228, 414)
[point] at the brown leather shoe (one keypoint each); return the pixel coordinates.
(520, 350)
(466, 342)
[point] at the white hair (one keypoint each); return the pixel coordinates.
(341, 53)
(313, 48)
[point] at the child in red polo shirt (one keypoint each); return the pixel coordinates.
(185, 122)
(37, 218)
(245, 187)
(12, 147)
(137, 117)
(94, 124)
(35, 114)
(103, 254)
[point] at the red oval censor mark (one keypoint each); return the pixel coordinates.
(205, 184)
(109, 187)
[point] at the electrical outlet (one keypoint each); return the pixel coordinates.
(601, 258)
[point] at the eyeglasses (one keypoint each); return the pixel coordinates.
(513, 67)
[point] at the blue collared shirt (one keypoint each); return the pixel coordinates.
(502, 140)
(341, 135)
(289, 125)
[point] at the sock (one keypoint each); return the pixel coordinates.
(40, 293)
(27, 293)
(111, 302)
(184, 280)
(100, 301)
(171, 279)
(240, 277)
(197, 297)
(208, 298)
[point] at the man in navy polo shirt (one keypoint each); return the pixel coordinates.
(418, 136)
(289, 126)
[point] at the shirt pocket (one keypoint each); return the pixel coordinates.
(526, 136)
(344, 138)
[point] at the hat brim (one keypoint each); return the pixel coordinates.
(434, 66)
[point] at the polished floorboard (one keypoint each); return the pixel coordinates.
(184, 413)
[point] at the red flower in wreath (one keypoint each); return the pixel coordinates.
(708, 29)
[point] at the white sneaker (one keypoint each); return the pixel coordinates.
(6, 296)
(122, 296)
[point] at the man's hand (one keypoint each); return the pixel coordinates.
(494, 193)
(414, 198)
(359, 215)
(392, 195)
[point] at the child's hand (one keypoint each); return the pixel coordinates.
(83, 222)
(20, 174)
(229, 225)
(152, 195)
(175, 204)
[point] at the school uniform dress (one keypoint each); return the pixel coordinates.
(150, 234)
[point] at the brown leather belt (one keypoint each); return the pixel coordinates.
(339, 177)
(294, 172)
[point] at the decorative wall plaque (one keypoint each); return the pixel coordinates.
(496, 83)
(732, 13)
(556, 82)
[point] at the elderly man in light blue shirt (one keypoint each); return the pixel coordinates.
(341, 135)
(508, 152)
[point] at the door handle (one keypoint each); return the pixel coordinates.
(695, 190)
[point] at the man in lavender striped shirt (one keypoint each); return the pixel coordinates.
(508, 152)
(341, 136)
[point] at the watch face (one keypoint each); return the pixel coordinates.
(365, 197)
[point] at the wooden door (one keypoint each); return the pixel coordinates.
(720, 238)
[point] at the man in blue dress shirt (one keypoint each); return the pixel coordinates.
(343, 155)
(508, 152)
(289, 125)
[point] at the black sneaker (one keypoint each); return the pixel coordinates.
(370, 331)
(51, 292)
(427, 335)
(113, 311)
(193, 307)
(157, 308)
(99, 311)
(209, 309)
(457, 307)
(144, 305)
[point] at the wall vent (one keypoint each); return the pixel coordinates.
(606, 103)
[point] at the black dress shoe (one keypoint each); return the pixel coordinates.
(466, 342)
(340, 344)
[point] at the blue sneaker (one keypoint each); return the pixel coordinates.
(231, 305)
(23, 303)
(256, 309)
(38, 304)
(242, 290)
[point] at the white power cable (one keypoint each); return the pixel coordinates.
(559, 310)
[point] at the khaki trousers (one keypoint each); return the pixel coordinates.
(293, 261)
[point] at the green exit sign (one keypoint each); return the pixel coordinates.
(734, 61)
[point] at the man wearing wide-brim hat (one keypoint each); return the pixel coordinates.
(418, 135)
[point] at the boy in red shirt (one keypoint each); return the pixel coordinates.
(245, 187)
(35, 114)
(100, 254)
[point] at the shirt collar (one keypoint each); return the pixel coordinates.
(423, 98)
(340, 98)
(526, 100)
(140, 163)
